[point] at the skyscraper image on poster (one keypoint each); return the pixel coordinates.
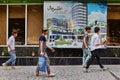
(66, 22)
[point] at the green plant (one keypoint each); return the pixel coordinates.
(5, 49)
(115, 51)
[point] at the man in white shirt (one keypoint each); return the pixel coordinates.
(95, 46)
(11, 51)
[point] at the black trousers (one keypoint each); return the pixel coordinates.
(95, 54)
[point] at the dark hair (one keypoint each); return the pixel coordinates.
(14, 33)
(88, 28)
(96, 29)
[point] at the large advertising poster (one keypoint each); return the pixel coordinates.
(97, 17)
(66, 21)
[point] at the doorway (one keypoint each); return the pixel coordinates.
(113, 32)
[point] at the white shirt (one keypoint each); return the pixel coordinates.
(11, 42)
(95, 40)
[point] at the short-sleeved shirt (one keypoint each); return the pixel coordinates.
(96, 39)
(11, 42)
(42, 38)
(87, 39)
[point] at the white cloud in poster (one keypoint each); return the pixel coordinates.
(98, 15)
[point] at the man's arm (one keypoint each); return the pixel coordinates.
(84, 42)
(50, 48)
(41, 48)
(9, 46)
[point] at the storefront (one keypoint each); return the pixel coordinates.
(113, 29)
(27, 17)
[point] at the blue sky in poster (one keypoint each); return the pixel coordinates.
(97, 7)
(97, 11)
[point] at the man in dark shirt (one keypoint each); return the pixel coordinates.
(42, 52)
(85, 47)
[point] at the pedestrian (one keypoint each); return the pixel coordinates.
(42, 52)
(11, 51)
(95, 45)
(86, 47)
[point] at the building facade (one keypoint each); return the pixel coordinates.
(27, 19)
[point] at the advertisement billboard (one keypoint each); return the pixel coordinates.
(66, 21)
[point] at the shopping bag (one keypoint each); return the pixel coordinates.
(42, 64)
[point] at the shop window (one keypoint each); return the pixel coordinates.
(113, 33)
(35, 23)
(17, 22)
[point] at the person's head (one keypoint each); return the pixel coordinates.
(14, 34)
(97, 30)
(88, 29)
(45, 31)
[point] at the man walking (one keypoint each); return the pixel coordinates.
(42, 52)
(85, 47)
(11, 51)
(95, 46)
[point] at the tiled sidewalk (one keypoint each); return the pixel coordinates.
(62, 73)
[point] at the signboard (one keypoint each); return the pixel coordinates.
(67, 20)
(66, 27)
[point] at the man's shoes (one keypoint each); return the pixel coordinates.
(85, 70)
(13, 67)
(4, 66)
(84, 66)
(37, 74)
(51, 75)
(104, 69)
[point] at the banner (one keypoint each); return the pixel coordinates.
(97, 17)
(66, 21)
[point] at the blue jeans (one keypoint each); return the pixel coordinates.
(12, 59)
(86, 56)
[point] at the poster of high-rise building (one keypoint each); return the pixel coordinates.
(66, 21)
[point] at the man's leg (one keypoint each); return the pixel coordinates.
(37, 70)
(11, 58)
(47, 62)
(90, 61)
(8, 61)
(89, 55)
(98, 58)
(14, 60)
(84, 57)
(48, 66)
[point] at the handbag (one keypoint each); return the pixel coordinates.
(42, 64)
